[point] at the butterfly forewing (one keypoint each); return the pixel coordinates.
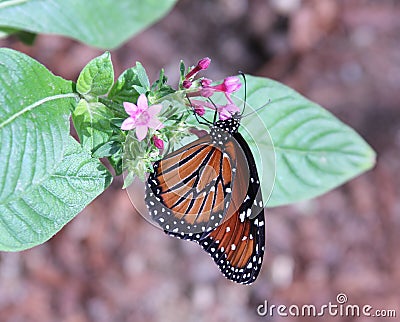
(191, 191)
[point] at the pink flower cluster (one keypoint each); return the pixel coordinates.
(228, 86)
(143, 117)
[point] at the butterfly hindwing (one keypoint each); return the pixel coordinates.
(237, 246)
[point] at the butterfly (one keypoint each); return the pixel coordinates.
(209, 192)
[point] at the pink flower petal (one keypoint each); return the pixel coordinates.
(232, 84)
(154, 110)
(232, 108)
(130, 108)
(154, 123)
(128, 124)
(224, 115)
(142, 102)
(141, 132)
(226, 111)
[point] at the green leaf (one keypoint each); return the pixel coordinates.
(130, 84)
(107, 149)
(160, 88)
(116, 162)
(32, 217)
(315, 152)
(182, 69)
(34, 122)
(142, 76)
(26, 37)
(102, 23)
(92, 123)
(97, 77)
(117, 108)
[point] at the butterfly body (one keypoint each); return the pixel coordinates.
(209, 192)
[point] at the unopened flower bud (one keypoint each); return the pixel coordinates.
(186, 83)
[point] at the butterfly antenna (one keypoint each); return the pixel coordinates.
(256, 110)
(245, 90)
(216, 110)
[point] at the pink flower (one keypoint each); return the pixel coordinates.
(142, 117)
(229, 85)
(158, 142)
(201, 64)
(226, 111)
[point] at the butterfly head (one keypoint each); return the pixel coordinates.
(230, 125)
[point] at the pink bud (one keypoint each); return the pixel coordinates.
(205, 82)
(186, 83)
(201, 64)
(159, 144)
(204, 63)
(199, 109)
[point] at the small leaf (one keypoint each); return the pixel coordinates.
(34, 216)
(130, 84)
(92, 123)
(142, 76)
(107, 149)
(116, 108)
(160, 88)
(182, 69)
(116, 162)
(117, 122)
(25, 37)
(34, 122)
(102, 23)
(315, 152)
(97, 77)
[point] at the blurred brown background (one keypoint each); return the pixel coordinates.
(109, 264)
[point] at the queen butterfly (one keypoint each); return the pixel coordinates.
(209, 192)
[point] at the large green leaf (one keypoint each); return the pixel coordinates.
(101, 23)
(34, 122)
(45, 207)
(315, 152)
